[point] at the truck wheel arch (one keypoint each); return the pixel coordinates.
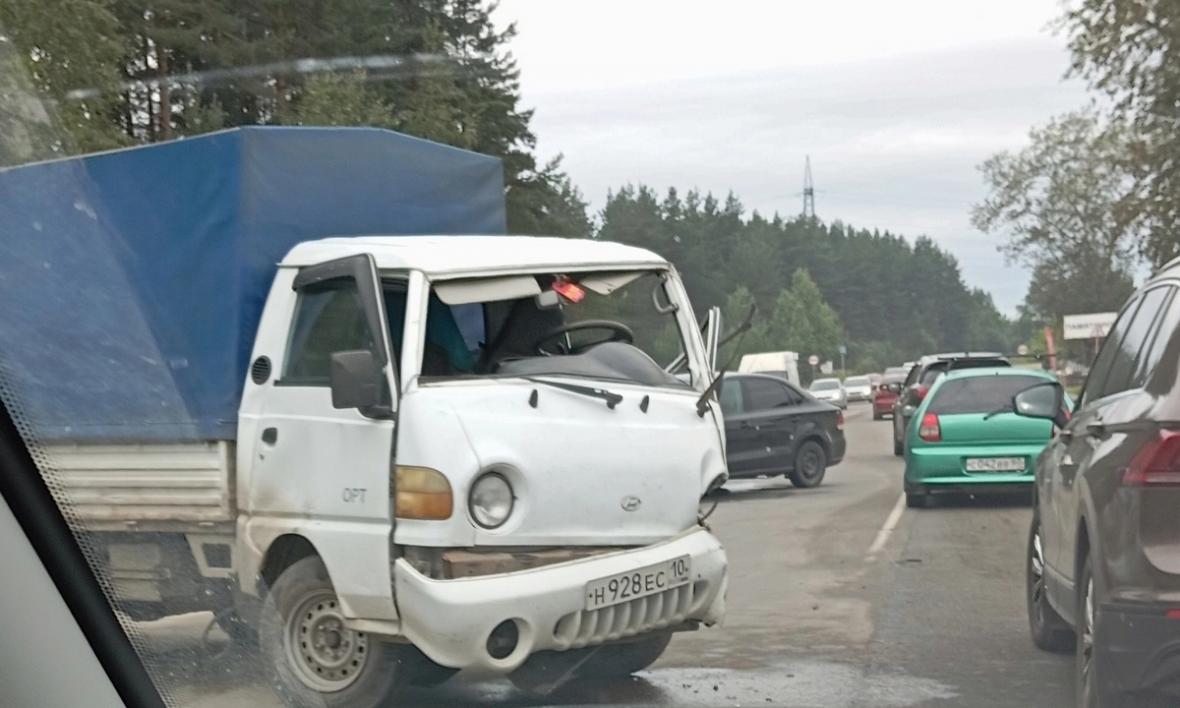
(281, 554)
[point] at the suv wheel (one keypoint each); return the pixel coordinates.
(1092, 675)
(1049, 631)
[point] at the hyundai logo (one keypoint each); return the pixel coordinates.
(631, 503)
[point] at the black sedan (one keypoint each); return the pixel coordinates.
(772, 427)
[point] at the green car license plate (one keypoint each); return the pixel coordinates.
(995, 464)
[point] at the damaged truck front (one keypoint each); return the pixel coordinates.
(520, 416)
(387, 458)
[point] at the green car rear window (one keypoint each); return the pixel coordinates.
(979, 394)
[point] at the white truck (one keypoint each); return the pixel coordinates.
(451, 452)
(784, 364)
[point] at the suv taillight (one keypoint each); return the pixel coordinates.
(839, 420)
(1157, 462)
(929, 430)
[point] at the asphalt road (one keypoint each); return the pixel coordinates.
(838, 596)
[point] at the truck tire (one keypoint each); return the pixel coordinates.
(625, 658)
(810, 464)
(313, 660)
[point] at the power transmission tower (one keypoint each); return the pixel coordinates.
(808, 190)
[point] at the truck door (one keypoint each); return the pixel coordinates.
(322, 461)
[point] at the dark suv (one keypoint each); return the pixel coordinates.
(1104, 546)
(922, 375)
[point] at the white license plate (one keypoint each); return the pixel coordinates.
(641, 582)
(995, 464)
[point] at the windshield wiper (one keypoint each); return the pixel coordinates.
(612, 399)
(1006, 408)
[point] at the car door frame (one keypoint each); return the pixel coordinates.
(331, 488)
(775, 427)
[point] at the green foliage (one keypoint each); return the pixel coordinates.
(886, 300)
(1062, 204)
(139, 71)
(49, 49)
(1129, 50)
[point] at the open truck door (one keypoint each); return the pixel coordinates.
(322, 435)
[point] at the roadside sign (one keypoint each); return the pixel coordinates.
(1093, 325)
(813, 360)
(843, 350)
(1023, 350)
(826, 367)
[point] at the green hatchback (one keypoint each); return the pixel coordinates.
(965, 437)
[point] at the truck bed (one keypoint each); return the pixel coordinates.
(159, 487)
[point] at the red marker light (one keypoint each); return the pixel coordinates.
(569, 290)
(1172, 614)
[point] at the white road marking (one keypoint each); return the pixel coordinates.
(891, 522)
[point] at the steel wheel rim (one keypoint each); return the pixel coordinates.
(1087, 643)
(809, 464)
(325, 655)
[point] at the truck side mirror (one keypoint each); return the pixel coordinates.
(357, 382)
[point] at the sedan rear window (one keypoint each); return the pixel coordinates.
(979, 394)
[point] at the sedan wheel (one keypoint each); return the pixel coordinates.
(1049, 631)
(810, 464)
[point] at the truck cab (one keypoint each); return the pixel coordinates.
(477, 449)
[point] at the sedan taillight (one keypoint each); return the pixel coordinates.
(930, 430)
(1156, 463)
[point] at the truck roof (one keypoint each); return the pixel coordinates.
(455, 256)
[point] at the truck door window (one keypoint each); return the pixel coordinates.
(328, 319)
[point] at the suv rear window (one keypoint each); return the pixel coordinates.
(979, 394)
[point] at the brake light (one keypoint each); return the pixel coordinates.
(839, 420)
(929, 430)
(1158, 462)
(920, 392)
(1172, 614)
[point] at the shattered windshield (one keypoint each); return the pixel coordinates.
(616, 325)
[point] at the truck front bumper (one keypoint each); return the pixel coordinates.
(452, 620)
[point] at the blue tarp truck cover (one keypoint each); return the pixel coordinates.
(131, 282)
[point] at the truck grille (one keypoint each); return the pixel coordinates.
(585, 627)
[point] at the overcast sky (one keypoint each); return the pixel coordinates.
(895, 102)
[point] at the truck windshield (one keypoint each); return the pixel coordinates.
(605, 325)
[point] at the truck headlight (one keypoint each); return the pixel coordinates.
(490, 500)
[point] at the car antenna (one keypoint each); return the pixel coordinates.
(703, 401)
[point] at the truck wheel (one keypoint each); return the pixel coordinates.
(313, 659)
(625, 658)
(810, 464)
(1049, 631)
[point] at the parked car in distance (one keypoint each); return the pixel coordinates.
(1103, 563)
(830, 390)
(886, 392)
(858, 388)
(772, 427)
(968, 438)
(922, 376)
(785, 365)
